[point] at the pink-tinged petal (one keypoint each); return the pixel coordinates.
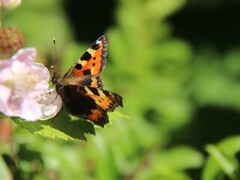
(26, 54)
(5, 95)
(41, 69)
(50, 102)
(4, 2)
(30, 110)
(18, 67)
(5, 72)
(5, 64)
(10, 4)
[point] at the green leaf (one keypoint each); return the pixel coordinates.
(63, 126)
(4, 171)
(222, 160)
(172, 164)
(173, 158)
(226, 165)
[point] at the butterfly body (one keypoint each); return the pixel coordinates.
(81, 87)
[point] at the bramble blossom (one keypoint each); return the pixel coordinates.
(24, 86)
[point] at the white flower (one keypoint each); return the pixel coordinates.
(21, 82)
(50, 103)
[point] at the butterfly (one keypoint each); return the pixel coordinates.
(81, 88)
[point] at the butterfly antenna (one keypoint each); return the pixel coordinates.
(57, 57)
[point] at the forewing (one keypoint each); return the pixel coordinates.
(92, 61)
(91, 81)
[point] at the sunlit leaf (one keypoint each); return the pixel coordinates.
(222, 159)
(4, 171)
(63, 126)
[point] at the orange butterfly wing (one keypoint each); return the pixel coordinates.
(81, 87)
(85, 72)
(93, 60)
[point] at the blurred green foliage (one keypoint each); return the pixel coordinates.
(163, 81)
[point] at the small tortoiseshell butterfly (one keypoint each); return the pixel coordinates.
(81, 88)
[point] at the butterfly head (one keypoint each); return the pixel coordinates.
(56, 80)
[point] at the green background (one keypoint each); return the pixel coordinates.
(176, 63)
